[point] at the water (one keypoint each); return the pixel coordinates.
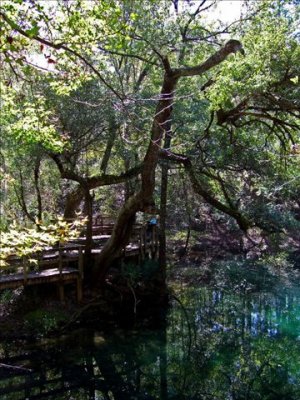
(217, 344)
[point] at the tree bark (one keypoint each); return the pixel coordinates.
(73, 202)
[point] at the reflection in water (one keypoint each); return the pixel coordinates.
(217, 345)
(243, 347)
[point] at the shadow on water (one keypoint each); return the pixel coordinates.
(216, 344)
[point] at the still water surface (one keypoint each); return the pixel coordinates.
(216, 344)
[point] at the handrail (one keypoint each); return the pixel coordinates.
(16, 262)
(142, 236)
(80, 262)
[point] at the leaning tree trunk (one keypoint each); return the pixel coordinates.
(143, 200)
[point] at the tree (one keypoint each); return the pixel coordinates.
(150, 50)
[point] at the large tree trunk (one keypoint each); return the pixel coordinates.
(143, 200)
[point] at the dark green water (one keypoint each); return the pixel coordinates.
(217, 344)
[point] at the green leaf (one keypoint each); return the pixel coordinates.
(33, 32)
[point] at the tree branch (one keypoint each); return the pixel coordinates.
(242, 221)
(232, 46)
(104, 180)
(94, 181)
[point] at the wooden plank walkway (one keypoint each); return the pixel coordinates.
(36, 277)
(64, 264)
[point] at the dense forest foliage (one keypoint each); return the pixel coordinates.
(123, 107)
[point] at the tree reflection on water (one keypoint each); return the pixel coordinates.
(214, 345)
(242, 346)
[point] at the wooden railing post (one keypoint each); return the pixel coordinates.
(80, 262)
(60, 261)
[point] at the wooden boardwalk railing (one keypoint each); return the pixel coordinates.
(64, 263)
(60, 265)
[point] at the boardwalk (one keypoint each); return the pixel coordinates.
(64, 264)
(60, 265)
